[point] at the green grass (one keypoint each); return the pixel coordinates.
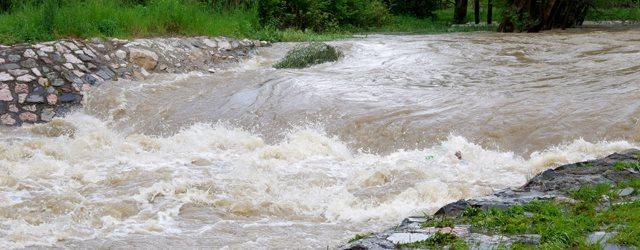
(359, 237)
(622, 165)
(438, 240)
(439, 223)
(614, 14)
(562, 225)
(112, 18)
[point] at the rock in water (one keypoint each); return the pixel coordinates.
(306, 55)
(143, 58)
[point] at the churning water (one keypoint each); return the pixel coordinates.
(254, 157)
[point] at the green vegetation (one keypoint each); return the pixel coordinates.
(303, 56)
(439, 223)
(563, 225)
(438, 240)
(622, 165)
(359, 237)
(272, 20)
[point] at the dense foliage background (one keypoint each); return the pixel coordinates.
(276, 20)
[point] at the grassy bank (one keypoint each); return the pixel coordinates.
(43, 21)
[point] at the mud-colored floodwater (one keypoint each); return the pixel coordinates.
(252, 157)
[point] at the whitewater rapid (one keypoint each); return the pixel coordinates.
(258, 158)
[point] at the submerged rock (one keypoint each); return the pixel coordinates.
(306, 55)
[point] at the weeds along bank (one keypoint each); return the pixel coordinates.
(273, 20)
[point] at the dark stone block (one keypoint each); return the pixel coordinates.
(29, 63)
(35, 98)
(85, 58)
(9, 66)
(57, 82)
(14, 58)
(70, 98)
(57, 57)
(90, 79)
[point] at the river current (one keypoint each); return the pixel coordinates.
(251, 157)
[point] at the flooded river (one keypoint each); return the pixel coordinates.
(252, 157)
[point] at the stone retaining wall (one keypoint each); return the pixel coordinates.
(41, 81)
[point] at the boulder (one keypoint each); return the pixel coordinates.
(143, 58)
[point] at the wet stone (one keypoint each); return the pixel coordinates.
(41, 53)
(18, 72)
(58, 82)
(3, 107)
(35, 98)
(22, 88)
(9, 66)
(70, 97)
(90, 79)
(14, 58)
(57, 57)
(36, 72)
(5, 77)
(43, 81)
(626, 192)
(105, 73)
(404, 238)
(52, 99)
(72, 59)
(31, 108)
(28, 117)
(46, 60)
(26, 78)
(2, 60)
(29, 53)
(13, 108)
(5, 93)
(85, 58)
(22, 98)
(47, 49)
(61, 48)
(7, 119)
(29, 63)
(47, 114)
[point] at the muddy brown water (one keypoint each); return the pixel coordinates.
(253, 157)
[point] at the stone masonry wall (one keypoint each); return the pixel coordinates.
(41, 81)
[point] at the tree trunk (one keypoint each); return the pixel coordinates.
(490, 12)
(476, 10)
(460, 12)
(535, 15)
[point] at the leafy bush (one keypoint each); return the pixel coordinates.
(303, 56)
(417, 8)
(322, 15)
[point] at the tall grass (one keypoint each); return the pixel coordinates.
(111, 18)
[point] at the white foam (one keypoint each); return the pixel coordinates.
(99, 182)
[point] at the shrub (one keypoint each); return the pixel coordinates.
(306, 55)
(417, 8)
(322, 15)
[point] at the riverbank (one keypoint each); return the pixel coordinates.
(44, 80)
(586, 205)
(87, 19)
